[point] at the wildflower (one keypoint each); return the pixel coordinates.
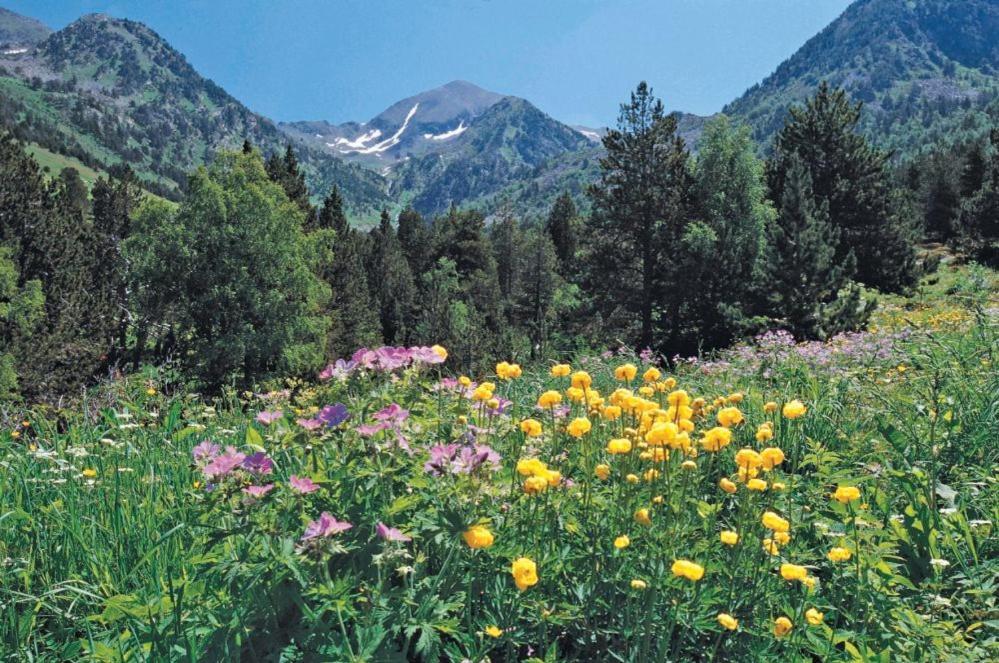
(652, 374)
(89, 473)
(748, 458)
(579, 427)
(688, 465)
(482, 393)
(764, 433)
(727, 485)
(258, 491)
(777, 486)
(809, 582)
(531, 427)
(622, 542)
(611, 412)
(939, 563)
(683, 568)
(390, 533)
(625, 372)
(716, 439)
(642, 517)
(794, 409)
(493, 631)
(575, 394)
(581, 380)
(269, 417)
(619, 445)
(729, 538)
(735, 397)
(758, 485)
(774, 522)
(771, 457)
(525, 573)
(530, 467)
(793, 572)
(678, 398)
(223, 464)
(549, 399)
(536, 484)
(258, 463)
(465, 381)
(324, 526)
(814, 617)
(728, 621)
(631, 478)
(770, 407)
(782, 626)
(783, 538)
(770, 546)
(439, 351)
(151, 391)
(662, 433)
(729, 416)
(839, 554)
(478, 536)
(846, 494)
(560, 370)
(507, 371)
(602, 471)
(302, 485)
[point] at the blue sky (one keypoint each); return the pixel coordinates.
(576, 59)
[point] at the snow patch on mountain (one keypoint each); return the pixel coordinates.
(359, 143)
(457, 131)
(592, 135)
(359, 146)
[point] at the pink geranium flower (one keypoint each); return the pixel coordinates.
(268, 417)
(324, 526)
(258, 491)
(390, 533)
(303, 485)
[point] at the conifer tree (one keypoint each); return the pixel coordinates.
(942, 202)
(979, 218)
(640, 208)
(391, 282)
(561, 227)
(22, 307)
(809, 290)
(286, 172)
(537, 300)
(414, 237)
(851, 178)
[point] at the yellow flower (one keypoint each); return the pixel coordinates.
(793, 572)
(669, 383)
(531, 427)
(553, 477)
(622, 542)
(782, 626)
(602, 471)
(774, 522)
(575, 394)
(581, 380)
(549, 399)
(839, 554)
(642, 517)
(683, 568)
(151, 391)
(783, 538)
(560, 370)
(507, 371)
(625, 372)
(524, 572)
(809, 583)
(728, 486)
(482, 393)
(772, 457)
(465, 381)
(536, 484)
(814, 617)
(764, 433)
(611, 412)
(530, 467)
(493, 403)
(631, 478)
(770, 407)
(757, 484)
(478, 536)
(729, 416)
(662, 433)
(90, 473)
(688, 465)
(579, 427)
(651, 374)
(716, 439)
(770, 546)
(777, 485)
(729, 538)
(728, 621)
(678, 398)
(638, 584)
(439, 351)
(619, 445)
(735, 397)
(748, 458)
(846, 494)
(794, 409)
(646, 391)
(494, 631)
(15, 434)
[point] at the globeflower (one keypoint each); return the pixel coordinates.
(579, 427)
(716, 439)
(478, 536)
(729, 538)
(794, 409)
(642, 517)
(560, 370)
(530, 427)
(439, 351)
(619, 445)
(770, 407)
(782, 626)
(683, 568)
(846, 494)
(626, 372)
(764, 433)
(748, 458)
(839, 554)
(493, 631)
(581, 380)
(814, 617)
(508, 371)
(728, 621)
(793, 572)
(602, 471)
(524, 572)
(770, 546)
(611, 413)
(729, 416)
(622, 542)
(772, 457)
(651, 374)
(758, 485)
(536, 484)
(728, 486)
(549, 399)
(638, 584)
(774, 522)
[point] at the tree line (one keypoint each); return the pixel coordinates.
(246, 280)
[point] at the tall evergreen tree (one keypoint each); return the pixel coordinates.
(942, 201)
(640, 208)
(285, 171)
(851, 178)
(391, 282)
(561, 227)
(414, 237)
(22, 307)
(537, 300)
(979, 218)
(809, 290)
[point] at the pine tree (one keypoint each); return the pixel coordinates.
(414, 237)
(537, 300)
(941, 203)
(979, 218)
(809, 290)
(22, 307)
(391, 282)
(285, 171)
(561, 227)
(851, 178)
(640, 209)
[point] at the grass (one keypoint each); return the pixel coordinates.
(118, 544)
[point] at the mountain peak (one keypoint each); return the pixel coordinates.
(20, 31)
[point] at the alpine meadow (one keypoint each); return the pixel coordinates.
(467, 383)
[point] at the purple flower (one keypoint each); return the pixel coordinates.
(333, 415)
(441, 456)
(339, 370)
(391, 533)
(324, 526)
(269, 417)
(309, 424)
(426, 355)
(258, 463)
(205, 451)
(258, 491)
(370, 430)
(501, 408)
(303, 485)
(223, 464)
(393, 414)
(460, 459)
